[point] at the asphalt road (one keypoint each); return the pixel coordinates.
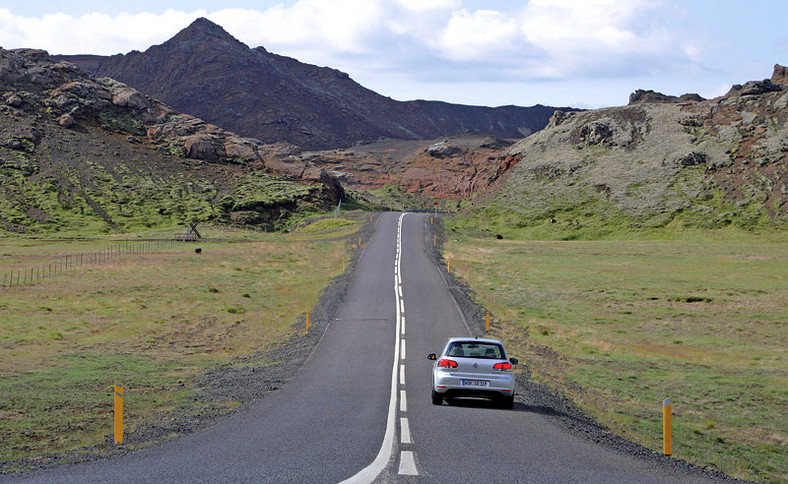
(360, 410)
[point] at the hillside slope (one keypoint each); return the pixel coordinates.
(86, 155)
(657, 161)
(206, 72)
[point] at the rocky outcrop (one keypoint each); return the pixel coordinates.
(278, 99)
(641, 96)
(753, 88)
(780, 75)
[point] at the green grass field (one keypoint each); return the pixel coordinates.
(621, 325)
(152, 321)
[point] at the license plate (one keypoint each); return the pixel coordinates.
(475, 383)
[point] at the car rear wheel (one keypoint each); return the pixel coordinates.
(437, 398)
(507, 402)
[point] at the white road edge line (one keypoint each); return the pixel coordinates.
(373, 470)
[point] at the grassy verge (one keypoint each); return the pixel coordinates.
(153, 321)
(621, 325)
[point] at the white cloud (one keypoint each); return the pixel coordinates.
(478, 35)
(92, 33)
(592, 36)
(424, 5)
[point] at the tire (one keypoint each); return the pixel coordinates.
(507, 402)
(437, 398)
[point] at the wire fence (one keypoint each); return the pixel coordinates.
(39, 272)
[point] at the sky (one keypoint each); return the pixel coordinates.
(580, 53)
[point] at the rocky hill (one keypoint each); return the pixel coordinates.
(95, 153)
(206, 72)
(660, 160)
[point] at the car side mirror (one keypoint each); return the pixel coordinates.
(432, 356)
(514, 361)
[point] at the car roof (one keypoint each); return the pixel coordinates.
(478, 340)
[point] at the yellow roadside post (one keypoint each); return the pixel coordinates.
(307, 320)
(118, 413)
(434, 240)
(488, 322)
(448, 266)
(667, 438)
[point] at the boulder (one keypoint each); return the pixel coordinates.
(14, 100)
(128, 97)
(201, 148)
(67, 121)
(442, 149)
(692, 158)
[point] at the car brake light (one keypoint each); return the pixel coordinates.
(447, 363)
(503, 366)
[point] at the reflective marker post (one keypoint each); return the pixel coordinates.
(667, 440)
(118, 413)
(488, 323)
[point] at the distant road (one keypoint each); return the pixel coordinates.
(336, 420)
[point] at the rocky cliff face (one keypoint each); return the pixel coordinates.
(79, 150)
(204, 71)
(708, 163)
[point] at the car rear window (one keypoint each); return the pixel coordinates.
(475, 349)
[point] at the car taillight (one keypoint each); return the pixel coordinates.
(447, 363)
(503, 366)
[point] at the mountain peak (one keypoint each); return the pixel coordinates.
(202, 30)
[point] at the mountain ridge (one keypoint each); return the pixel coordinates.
(206, 72)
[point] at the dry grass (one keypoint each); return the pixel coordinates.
(152, 321)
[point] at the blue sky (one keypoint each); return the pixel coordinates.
(583, 53)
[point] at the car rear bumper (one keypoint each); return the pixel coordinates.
(451, 385)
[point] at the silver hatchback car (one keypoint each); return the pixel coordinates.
(473, 367)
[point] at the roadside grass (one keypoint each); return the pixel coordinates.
(619, 325)
(152, 321)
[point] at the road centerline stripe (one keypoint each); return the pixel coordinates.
(373, 470)
(405, 431)
(407, 464)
